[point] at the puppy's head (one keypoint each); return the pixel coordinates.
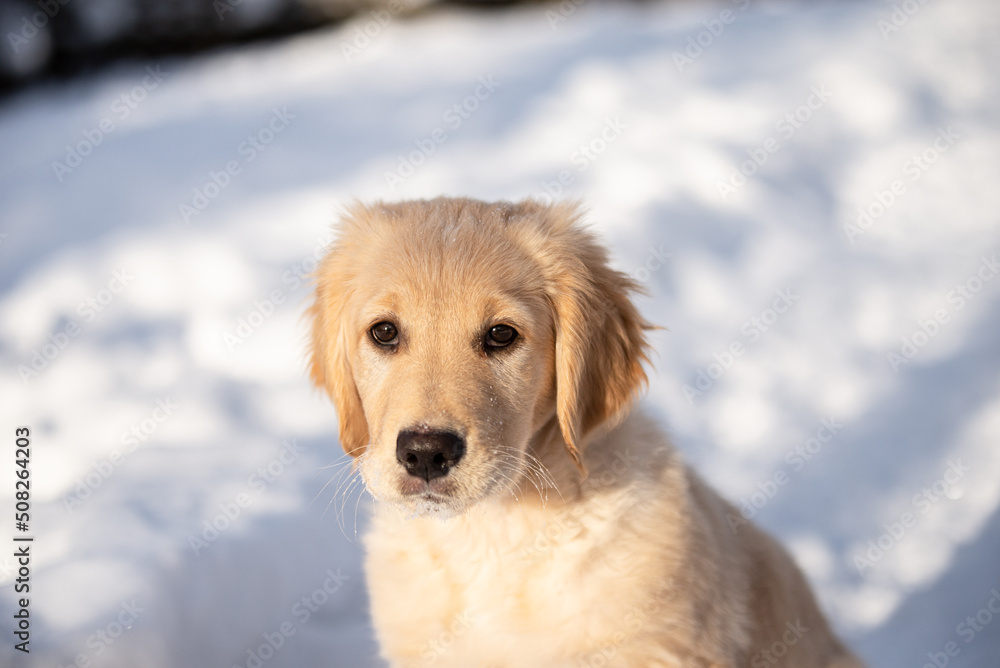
(452, 335)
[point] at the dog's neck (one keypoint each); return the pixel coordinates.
(560, 478)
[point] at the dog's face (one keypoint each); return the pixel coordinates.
(453, 364)
(451, 333)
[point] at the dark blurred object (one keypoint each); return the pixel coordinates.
(40, 35)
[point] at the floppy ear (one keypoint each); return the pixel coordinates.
(600, 337)
(330, 367)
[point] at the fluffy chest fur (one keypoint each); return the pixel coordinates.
(568, 583)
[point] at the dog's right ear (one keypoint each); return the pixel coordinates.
(330, 366)
(600, 336)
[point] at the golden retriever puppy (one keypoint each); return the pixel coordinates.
(483, 359)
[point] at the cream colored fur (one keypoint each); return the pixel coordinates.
(570, 534)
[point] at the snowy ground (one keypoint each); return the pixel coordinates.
(122, 312)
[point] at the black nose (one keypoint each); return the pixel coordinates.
(429, 454)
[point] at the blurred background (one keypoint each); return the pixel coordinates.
(808, 191)
(72, 36)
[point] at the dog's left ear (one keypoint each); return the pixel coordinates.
(600, 336)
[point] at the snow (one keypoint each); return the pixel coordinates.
(182, 398)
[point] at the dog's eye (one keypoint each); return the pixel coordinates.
(500, 336)
(385, 333)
